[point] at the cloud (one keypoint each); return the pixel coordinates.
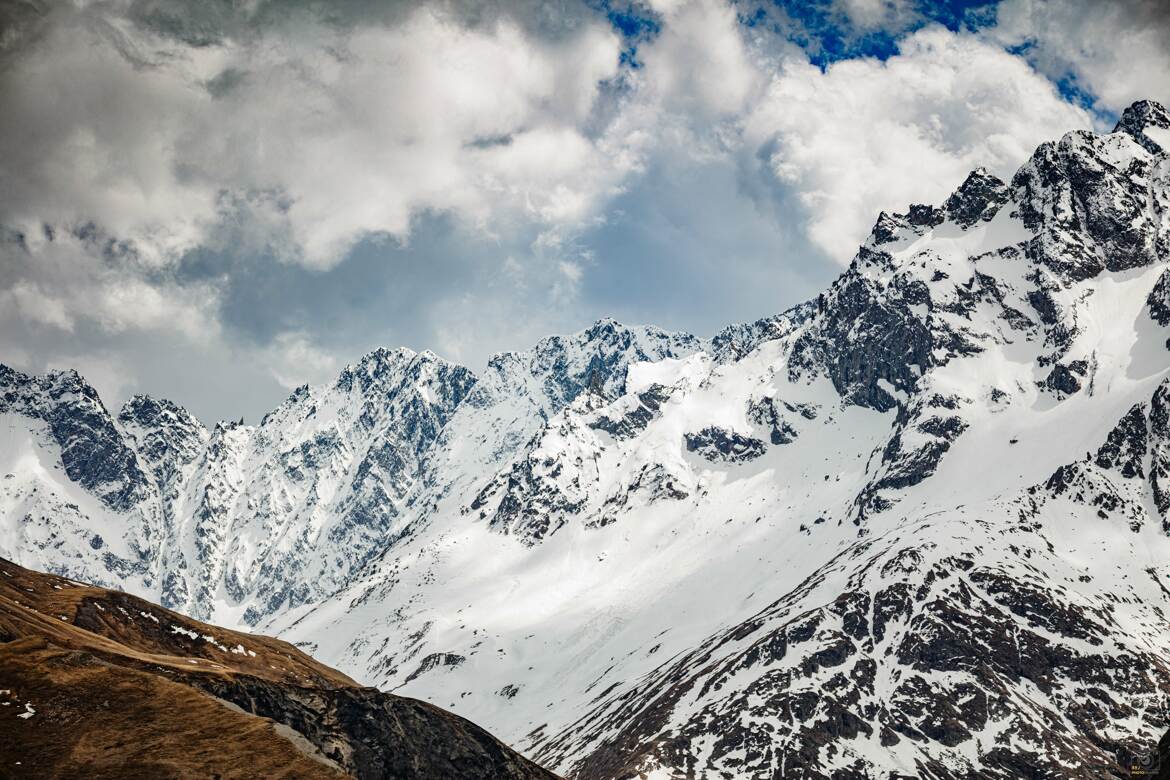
(75, 301)
(1117, 51)
(31, 304)
(294, 359)
(866, 135)
(319, 138)
(219, 201)
(699, 62)
(878, 14)
(89, 130)
(75, 282)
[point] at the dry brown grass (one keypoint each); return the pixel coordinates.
(95, 719)
(122, 688)
(108, 686)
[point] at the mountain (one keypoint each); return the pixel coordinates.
(916, 526)
(161, 695)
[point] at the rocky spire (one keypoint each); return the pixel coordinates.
(1139, 116)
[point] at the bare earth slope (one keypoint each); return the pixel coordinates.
(97, 683)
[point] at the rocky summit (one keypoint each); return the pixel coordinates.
(918, 526)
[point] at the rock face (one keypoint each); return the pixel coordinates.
(1141, 115)
(92, 450)
(165, 696)
(717, 444)
(913, 527)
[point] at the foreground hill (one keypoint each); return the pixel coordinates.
(100, 684)
(918, 526)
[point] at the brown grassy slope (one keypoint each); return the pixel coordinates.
(82, 617)
(97, 720)
(122, 688)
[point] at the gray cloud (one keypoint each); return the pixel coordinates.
(1116, 52)
(242, 197)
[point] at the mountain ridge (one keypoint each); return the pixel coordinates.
(619, 545)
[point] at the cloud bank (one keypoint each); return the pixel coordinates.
(218, 201)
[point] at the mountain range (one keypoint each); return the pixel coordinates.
(915, 527)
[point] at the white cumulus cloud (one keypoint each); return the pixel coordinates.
(866, 135)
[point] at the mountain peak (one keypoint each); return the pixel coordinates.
(378, 363)
(1142, 115)
(153, 411)
(604, 325)
(382, 356)
(978, 198)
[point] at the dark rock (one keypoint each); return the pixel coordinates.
(1063, 379)
(737, 341)
(1142, 114)
(764, 412)
(1125, 447)
(93, 451)
(635, 420)
(1158, 301)
(868, 341)
(718, 444)
(978, 198)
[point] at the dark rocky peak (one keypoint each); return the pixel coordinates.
(1142, 114)
(1085, 199)
(608, 337)
(159, 413)
(917, 220)
(1081, 199)
(166, 435)
(598, 359)
(50, 386)
(872, 332)
(383, 375)
(608, 330)
(885, 229)
(978, 198)
(922, 215)
(93, 452)
(13, 383)
(222, 432)
(868, 338)
(295, 399)
(595, 359)
(60, 382)
(374, 367)
(737, 341)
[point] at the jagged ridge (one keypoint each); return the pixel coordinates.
(853, 538)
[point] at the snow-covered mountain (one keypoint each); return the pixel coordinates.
(914, 527)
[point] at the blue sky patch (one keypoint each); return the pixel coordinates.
(635, 23)
(827, 34)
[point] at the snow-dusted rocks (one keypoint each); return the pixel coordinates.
(284, 512)
(1144, 119)
(75, 496)
(243, 519)
(93, 453)
(915, 526)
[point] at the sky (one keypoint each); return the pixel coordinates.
(216, 202)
